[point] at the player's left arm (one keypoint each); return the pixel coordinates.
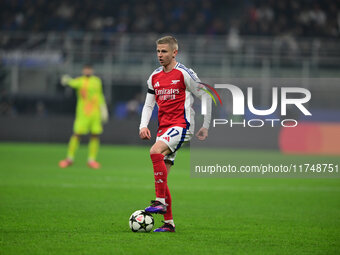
(193, 85)
(102, 103)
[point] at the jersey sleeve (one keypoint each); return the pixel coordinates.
(191, 81)
(193, 85)
(75, 83)
(149, 104)
(150, 87)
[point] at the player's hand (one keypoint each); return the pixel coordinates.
(65, 79)
(145, 134)
(202, 134)
(104, 113)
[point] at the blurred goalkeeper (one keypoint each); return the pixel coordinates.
(91, 112)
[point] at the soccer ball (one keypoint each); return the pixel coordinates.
(141, 221)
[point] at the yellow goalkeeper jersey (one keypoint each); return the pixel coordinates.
(89, 95)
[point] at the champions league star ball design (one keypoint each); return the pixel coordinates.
(141, 221)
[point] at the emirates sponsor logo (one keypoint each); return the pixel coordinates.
(166, 94)
(166, 91)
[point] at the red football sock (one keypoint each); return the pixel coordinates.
(168, 214)
(160, 174)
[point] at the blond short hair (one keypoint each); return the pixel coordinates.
(168, 40)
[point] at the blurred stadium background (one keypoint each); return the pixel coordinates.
(247, 43)
(46, 210)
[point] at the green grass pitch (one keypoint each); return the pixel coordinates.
(48, 210)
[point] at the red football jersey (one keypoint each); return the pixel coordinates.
(172, 92)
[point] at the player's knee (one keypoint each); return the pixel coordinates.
(155, 150)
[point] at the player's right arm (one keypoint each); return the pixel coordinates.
(150, 100)
(68, 80)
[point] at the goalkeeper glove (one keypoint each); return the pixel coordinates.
(65, 79)
(104, 113)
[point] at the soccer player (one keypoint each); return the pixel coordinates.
(170, 86)
(91, 111)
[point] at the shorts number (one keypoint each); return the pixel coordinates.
(177, 132)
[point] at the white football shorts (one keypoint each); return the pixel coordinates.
(174, 137)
